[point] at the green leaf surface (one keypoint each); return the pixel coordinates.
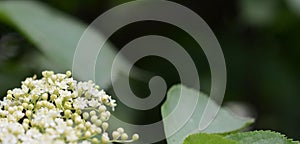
(203, 138)
(182, 113)
(56, 35)
(261, 137)
(253, 137)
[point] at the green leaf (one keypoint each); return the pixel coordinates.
(261, 137)
(56, 35)
(253, 137)
(178, 125)
(203, 138)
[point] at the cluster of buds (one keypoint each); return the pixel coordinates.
(58, 109)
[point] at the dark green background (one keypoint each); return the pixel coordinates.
(260, 40)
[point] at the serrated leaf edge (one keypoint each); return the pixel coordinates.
(266, 131)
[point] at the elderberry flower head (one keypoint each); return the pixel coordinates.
(58, 109)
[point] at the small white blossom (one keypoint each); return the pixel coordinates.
(93, 103)
(64, 93)
(80, 103)
(85, 142)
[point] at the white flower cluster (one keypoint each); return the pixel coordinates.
(57, 109)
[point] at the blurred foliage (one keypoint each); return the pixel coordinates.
(57, 36)
(260, 41)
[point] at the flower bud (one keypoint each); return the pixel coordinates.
(115, 135)
(104, 126)
(124, 136)
(135, 137)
